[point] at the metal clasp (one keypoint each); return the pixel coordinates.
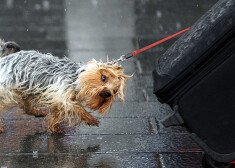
(122, 58)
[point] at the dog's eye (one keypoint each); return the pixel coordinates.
(103, 78)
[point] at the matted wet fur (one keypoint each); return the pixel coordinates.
(44, 85)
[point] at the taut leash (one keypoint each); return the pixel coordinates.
(129, 55)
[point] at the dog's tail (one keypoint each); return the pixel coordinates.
(7, 48)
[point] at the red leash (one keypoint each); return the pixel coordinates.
(233, 162)
(129, 55)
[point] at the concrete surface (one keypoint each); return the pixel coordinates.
(130, 135)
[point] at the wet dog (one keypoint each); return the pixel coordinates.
(59, 89)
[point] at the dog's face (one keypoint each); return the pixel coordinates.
(100, 83)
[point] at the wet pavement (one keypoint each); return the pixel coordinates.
(130, 135)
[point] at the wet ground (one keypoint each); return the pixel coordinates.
(130, 135)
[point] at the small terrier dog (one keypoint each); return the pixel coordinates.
(62, 90)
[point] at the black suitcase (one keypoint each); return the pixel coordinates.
(196, 77)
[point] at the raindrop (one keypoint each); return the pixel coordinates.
(65, 10)
(9, 3)
(46, 5)
(161, 27)
(25, 1)
(37, 6)
(178, 25)
(159, 14)
(197, 5)
(94, 3)
(27, 29)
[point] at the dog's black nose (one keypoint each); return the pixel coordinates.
(107, 94)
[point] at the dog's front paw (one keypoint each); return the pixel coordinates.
(57, 129)
(39, 113)
(88, 119)
(94, 122)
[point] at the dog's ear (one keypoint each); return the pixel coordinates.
(126, 76)
(122, 89)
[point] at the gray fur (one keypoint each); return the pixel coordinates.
(30, 69)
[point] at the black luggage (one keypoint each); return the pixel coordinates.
(196, 77)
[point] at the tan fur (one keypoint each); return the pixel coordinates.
(91, 85)
(70, 107)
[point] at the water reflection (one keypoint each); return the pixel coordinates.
(59, 153)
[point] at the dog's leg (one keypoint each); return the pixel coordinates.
(54, 123)
(28, 106)
(38, 112)
(86, 117)
(83, 115)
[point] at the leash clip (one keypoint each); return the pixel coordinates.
(122, 58)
